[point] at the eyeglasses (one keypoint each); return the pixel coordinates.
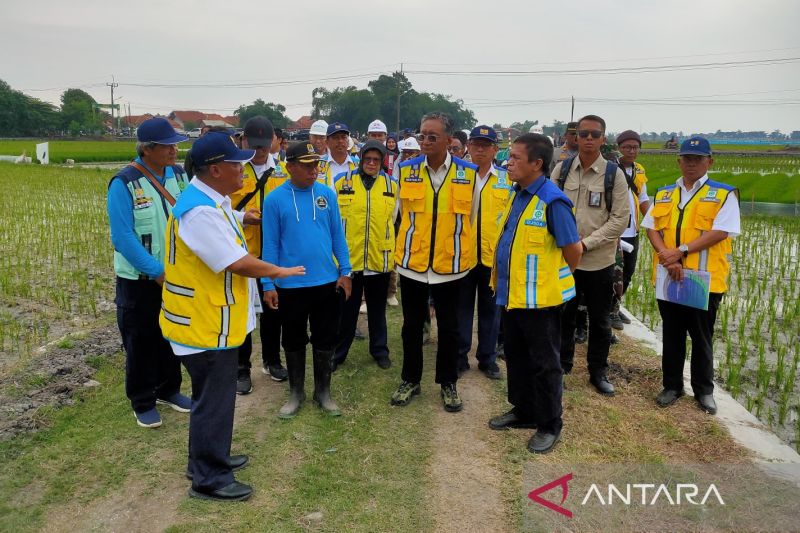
(596, 134)
(453, 149)
(373, 160)
(421, 137)
(627, 147)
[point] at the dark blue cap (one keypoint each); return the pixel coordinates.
(336, 127)
(158, 130)
(216, 147)
(483, 132)
(695, 146)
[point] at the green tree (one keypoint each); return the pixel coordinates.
(524, 126)
(276, 113)
(78, 107)
(24, 116)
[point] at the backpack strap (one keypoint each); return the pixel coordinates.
(608, 183)
(259, 188)
(566, 165)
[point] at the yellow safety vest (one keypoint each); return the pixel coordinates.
(538, 273)
(325, 172)
(201, 309)
(279, 176)
(494, 197)
(435, 230)
(639, 180)
(682, 226)
(367, 220)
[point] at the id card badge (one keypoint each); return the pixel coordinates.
(594, 199)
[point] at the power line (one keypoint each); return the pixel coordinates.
(616, 70)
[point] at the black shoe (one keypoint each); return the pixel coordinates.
(276, 372)
(510, 420)
(668, 396)
(383, 362)
(234, 492)
(543, 442)
(614, 339)
(616, 322)
(602, 385)
(624, 318)
(580, 336)
(323, 361)
(490, 370)
(236, 462)
(243, 383)
(706, 403)
(359, 335)
(501, 352)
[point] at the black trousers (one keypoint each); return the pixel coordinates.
(533, 345)
(477, 281)
(269, 329)
(374, 288)
(596, 287)
(213, 376)
(151, 369)
(678, 320)
(317, 307)
(415, 309)
(629, 261)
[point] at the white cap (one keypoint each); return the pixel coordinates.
(320, 127)
(409, 144)
(536, 129)
(376, 126)
(350, 143)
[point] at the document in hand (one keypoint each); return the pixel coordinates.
(692, 291)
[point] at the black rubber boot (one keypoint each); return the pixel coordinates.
(323, 360)
(296, 365)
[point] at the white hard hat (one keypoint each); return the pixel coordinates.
(350, 143)
(319, 127)
(536, 129)
(376, 126)
(409, 144)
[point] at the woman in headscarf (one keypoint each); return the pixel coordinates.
(392, 154)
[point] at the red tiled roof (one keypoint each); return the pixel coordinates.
(301, 123)
(187, 116)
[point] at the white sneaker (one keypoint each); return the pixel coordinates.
(363, 309)
(392, 301)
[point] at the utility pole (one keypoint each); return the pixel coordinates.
(397, 130)
(572, 110)
(112, 85)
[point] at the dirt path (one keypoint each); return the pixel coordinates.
(465, 469)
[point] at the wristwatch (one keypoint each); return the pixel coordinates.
(348, 275)
(684, 249)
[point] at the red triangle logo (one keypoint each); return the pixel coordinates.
(562, 482)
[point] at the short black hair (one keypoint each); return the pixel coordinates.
(594, 118)
(461, 136)
(538, 146)
(279, 133)
(444, 118)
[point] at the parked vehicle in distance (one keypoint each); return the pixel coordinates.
(299, 135)
(194, 133)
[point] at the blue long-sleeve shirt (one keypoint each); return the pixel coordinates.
(119, 204)
(303, 227)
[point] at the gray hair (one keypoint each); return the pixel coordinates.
(140, 146)
(444, 118)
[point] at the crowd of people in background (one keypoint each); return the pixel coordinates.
(537, 243)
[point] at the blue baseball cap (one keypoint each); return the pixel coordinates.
(216, 147)
(483, 132)
(695, 146)
(158, 130)
(336, 127)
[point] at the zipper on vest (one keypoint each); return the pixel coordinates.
(366, 233)
(433, 229)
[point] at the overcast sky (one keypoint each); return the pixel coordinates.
(48, 46)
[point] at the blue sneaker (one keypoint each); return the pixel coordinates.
(148, 419)
(179, 402)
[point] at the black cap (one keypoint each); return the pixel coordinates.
(302, 152)
(259, 132)
(572, 127)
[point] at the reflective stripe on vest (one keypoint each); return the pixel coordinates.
(367, 221)
(494, 197)
(680, 226)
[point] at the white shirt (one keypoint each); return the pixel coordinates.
(212, 238)
(430, 277)
(728, 218)
(479, 185)
(632, 230)
(336, 168)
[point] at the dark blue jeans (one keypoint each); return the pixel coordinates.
(477, 281)
(213, 376)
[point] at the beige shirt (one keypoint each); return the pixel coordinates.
(599, 229)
